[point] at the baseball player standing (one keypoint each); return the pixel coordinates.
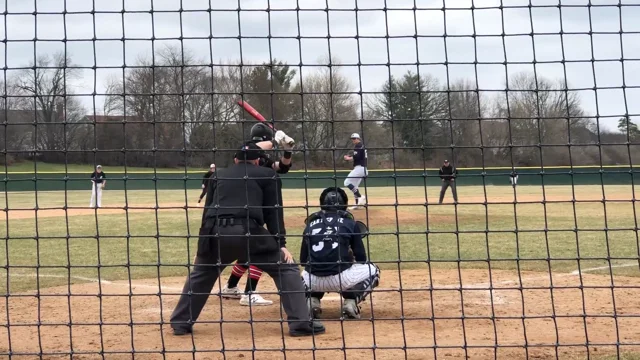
(448, 175)
(205, 181)
(359, 171)
(263, 137)
(328, 266)
(514, 177)
(98, 182)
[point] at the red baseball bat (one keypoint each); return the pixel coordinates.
(256, 115)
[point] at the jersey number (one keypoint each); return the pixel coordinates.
(327, 231)
(320, 245)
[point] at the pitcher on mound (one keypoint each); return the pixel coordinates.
(359, 171)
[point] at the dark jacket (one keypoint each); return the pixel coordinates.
(259, 197)
(205, 178)
(448, 172)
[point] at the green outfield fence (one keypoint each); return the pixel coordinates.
(173, 180)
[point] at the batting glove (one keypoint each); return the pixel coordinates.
(284, 140)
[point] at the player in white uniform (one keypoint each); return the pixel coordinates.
(359, 171)
(98, 182)
(329, 240)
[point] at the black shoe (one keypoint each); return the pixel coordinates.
(182, 331)
(313, 328)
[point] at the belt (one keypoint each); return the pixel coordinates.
(222, 222)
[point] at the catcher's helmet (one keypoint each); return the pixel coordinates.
(334, 199)
(261, 132)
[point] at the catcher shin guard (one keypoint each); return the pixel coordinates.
(360, 291)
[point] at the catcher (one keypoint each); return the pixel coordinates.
(265, 138)
(331, 241)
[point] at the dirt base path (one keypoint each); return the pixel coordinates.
(386, 203)
(133, 322)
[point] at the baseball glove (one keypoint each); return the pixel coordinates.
(362, 229)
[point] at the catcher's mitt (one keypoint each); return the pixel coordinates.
(362, 229)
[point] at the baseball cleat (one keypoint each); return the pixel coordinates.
(360, 202)
(350, 309)
(230, 293)
(316, 307)
(254, 300)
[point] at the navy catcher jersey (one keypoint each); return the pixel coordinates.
(359, 155)
(326, 242)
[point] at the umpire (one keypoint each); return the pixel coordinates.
(448, 175)
(242, 200)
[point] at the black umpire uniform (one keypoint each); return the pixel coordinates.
(448, 175)
(243, 199)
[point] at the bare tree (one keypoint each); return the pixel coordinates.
(462, 129)
(328, 113)
(543, 113)
(45, 88)
(15, 129)
(181, 108)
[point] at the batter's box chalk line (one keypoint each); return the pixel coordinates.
(487, 296)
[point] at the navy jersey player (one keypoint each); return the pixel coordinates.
(334, 257)
(359, 170)
(266, 139)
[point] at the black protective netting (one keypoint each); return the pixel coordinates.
(500, 138)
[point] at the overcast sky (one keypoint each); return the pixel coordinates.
(430, 23)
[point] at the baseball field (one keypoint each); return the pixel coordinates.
(478, 280)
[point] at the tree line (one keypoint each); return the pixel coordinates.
(174, 113)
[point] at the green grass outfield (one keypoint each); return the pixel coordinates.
(146, 244)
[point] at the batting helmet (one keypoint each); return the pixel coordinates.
(261, 132)
(334, 199)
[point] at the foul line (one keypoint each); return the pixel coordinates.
(577, 272)
(105, 282)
